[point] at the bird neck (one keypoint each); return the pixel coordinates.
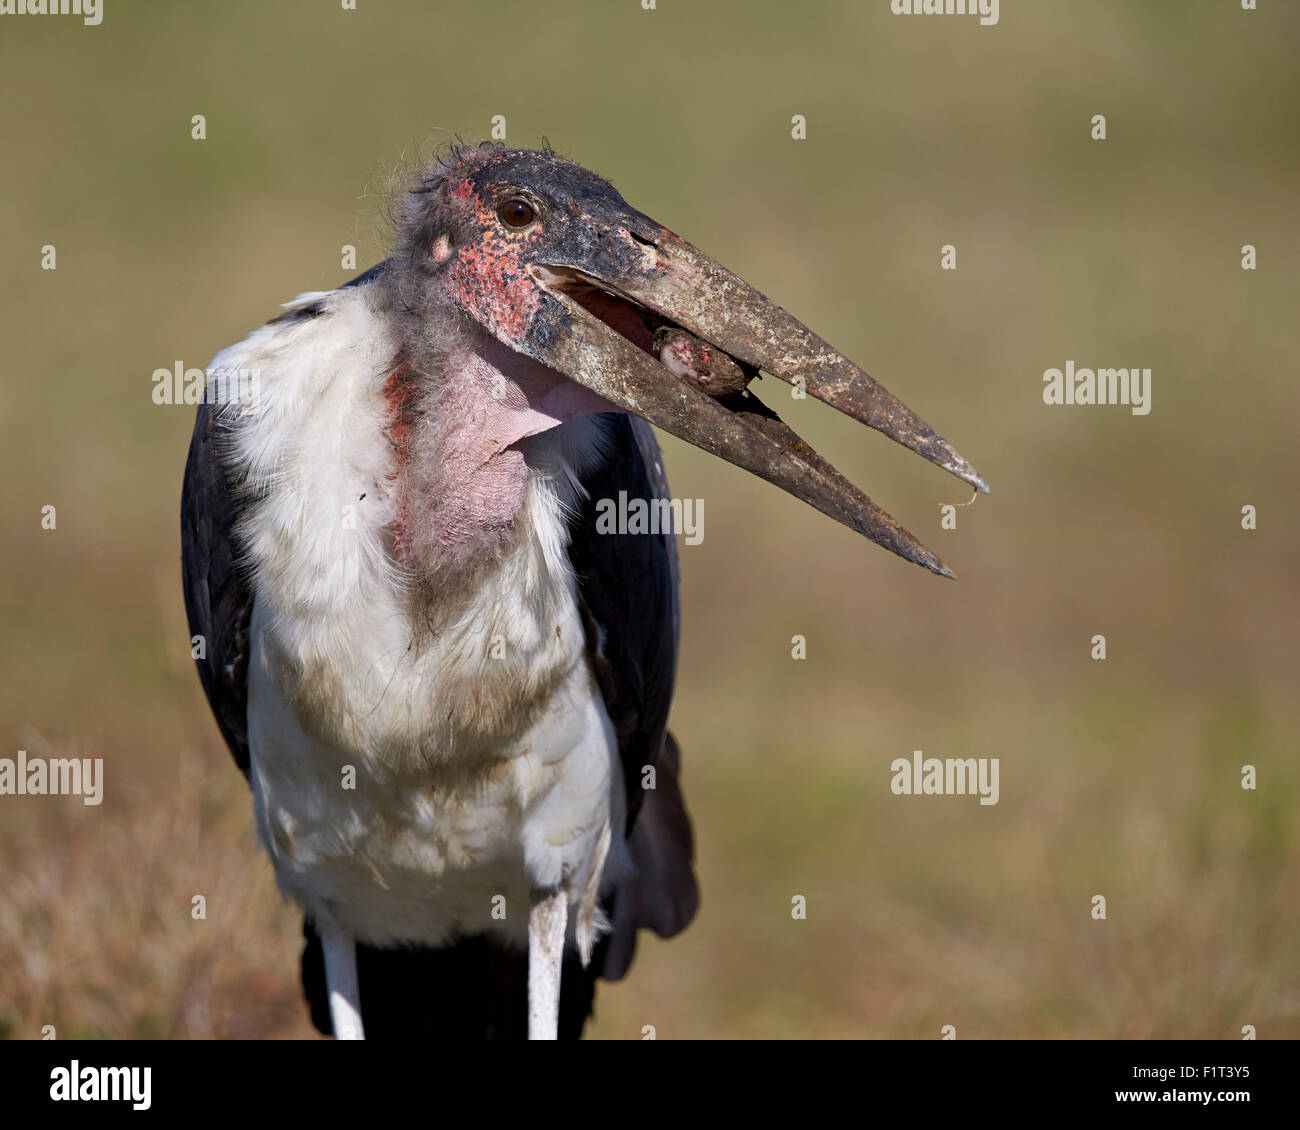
(462, 422)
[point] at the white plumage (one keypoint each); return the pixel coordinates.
(463, 799)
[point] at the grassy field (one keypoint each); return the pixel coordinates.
(1119, 777)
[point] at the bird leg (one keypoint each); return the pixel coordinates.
(340, 951)
(548, 918)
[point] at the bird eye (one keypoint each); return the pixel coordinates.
(516, 213)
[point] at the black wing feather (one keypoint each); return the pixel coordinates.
(628, 589)
(218, 599)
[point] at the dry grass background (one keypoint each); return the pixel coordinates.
(1120, 778)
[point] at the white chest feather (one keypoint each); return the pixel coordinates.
(422, 756)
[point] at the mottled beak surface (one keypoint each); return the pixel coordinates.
(656, 326)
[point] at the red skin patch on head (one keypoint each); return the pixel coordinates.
(490, 283)
(488, 279)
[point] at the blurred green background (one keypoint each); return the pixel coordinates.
(1119, 778)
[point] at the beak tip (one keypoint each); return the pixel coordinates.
(967, 474)
(925, 557)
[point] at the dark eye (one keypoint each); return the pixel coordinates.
(516, 213)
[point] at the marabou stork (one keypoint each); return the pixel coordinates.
(445, 687)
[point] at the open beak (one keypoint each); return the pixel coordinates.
(605, 321)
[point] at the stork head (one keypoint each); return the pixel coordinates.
(551, 261)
